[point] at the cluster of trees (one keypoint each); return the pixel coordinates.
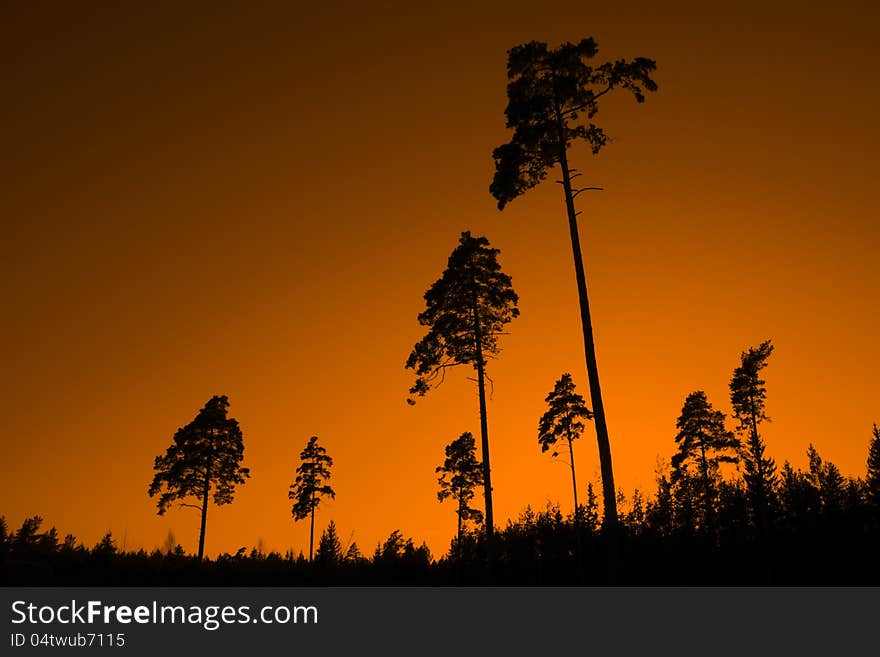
(34, 556)
(723, 501)
(723, 512)
(818, 527)
(553, 97)
(204, 461)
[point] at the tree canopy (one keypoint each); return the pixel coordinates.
(466, 310)
(460, 473)
(564, 415)
(702, 438)
(553, 96)
(748, 391)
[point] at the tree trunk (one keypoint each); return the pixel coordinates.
(205, 494)
(312, 528)
(460, 506)
(757, 453)
(204, 511)
(708, 493)
(608, 490)
(579, 552)
(458, 542)
(761, 498)
(484, 435)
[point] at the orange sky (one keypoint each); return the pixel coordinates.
(252, 203)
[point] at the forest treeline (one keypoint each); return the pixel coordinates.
(823, 528)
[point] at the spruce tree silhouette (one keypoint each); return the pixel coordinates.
(552, 98)
(872, 478)
(466, 310)
(311, 485)
(329, 552)
(562, 421)
(703, 441)
(826, 478)
(747, 396)
(205, 456)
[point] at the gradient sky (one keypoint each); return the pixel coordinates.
(252, 202)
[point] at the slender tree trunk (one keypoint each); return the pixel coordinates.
(312, 528)
(487, 480)
(484, 435)
(708, 495)
(205, 494)
(760, 491)
(608, 490)
(458, 542)
(204, 518)
(579, 552)
(761, 499)
(458, 535)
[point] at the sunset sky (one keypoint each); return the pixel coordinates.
(252, 202)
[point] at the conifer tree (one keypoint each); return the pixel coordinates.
(460, 473)
(590, 510)
(872, 479)
(466, 311)
(353, 554)
(553, 97)
(747, 396)
(205, 457)
(329, 552)
(827, 479)
(704, 443)
(311, 485)
(563, 420)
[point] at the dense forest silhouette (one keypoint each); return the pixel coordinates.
(820, 528)
(723, 512)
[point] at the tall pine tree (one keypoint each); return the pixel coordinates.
(553, 97)
(466, 311)
(311, 485)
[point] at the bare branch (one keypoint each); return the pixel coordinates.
(586, 189)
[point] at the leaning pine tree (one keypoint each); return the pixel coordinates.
(747, 396)
(466, 311)
(553, 96)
